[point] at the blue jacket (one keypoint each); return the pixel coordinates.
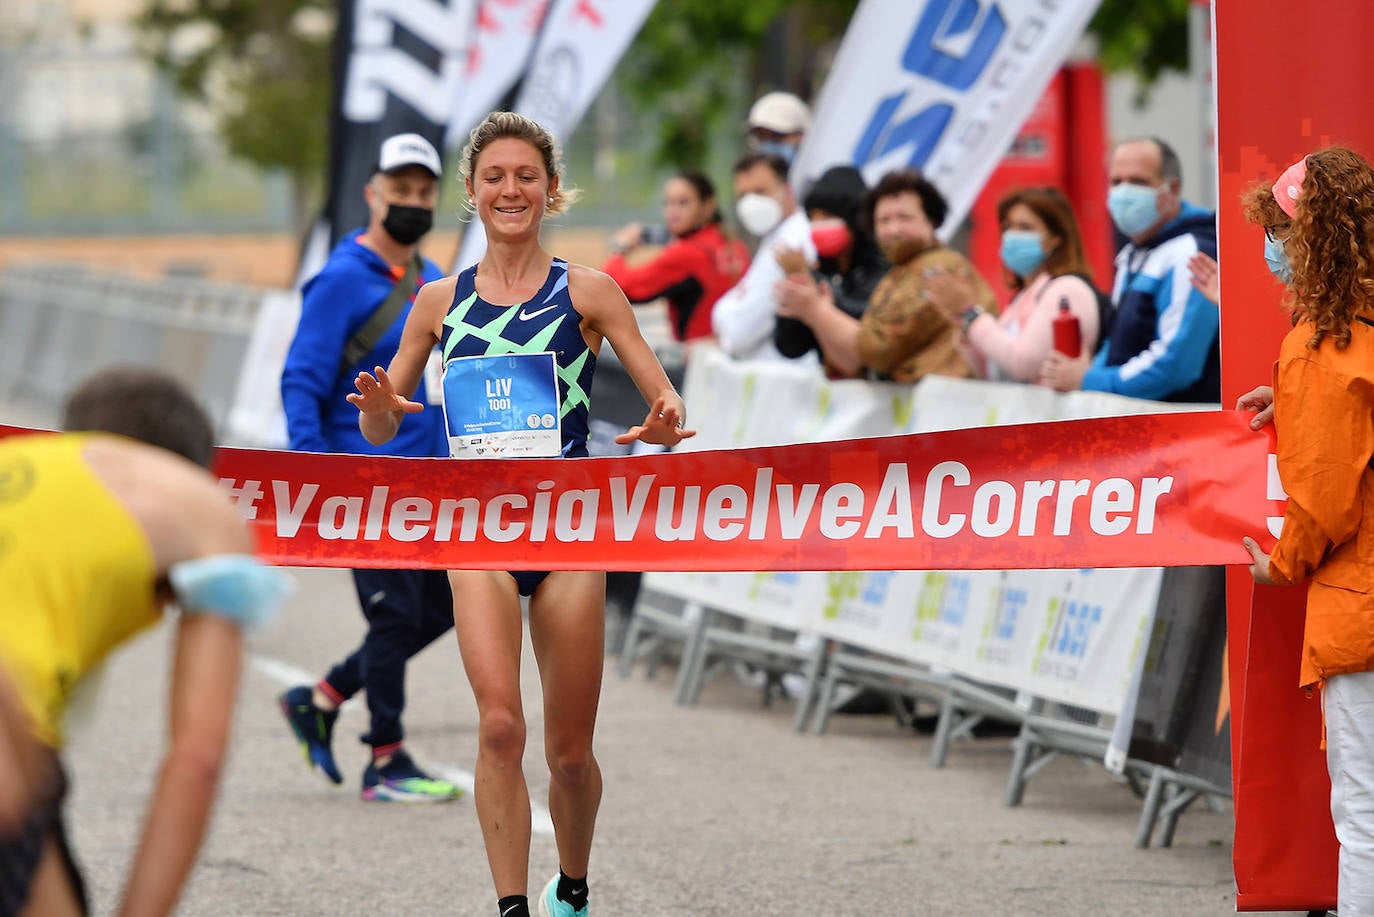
(335, 304)
(1164, 343)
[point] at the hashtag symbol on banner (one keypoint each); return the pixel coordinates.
(245, 496)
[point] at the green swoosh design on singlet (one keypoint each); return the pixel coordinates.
(499, 346)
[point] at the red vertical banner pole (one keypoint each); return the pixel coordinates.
(1036, 158)
(1291, 77)
(1085, 174)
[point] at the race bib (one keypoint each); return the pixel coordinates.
(500, 407)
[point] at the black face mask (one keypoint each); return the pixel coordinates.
(407, 224)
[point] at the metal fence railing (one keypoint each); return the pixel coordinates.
(59, 323)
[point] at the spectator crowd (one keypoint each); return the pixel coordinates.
(860, 281)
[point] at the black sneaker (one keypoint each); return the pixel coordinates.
(314, 728)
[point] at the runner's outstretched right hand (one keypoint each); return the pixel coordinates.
(376, 395)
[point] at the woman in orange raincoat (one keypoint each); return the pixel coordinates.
(1324, 416)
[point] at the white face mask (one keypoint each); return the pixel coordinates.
(759, 214)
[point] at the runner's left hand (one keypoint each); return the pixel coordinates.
(662, 426)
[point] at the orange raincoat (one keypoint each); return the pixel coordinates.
(1324, 415)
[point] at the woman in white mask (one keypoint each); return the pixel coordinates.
(1042, 253)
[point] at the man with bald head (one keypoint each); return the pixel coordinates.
(1164, 342)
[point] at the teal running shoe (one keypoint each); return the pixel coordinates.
(550, 905)
(399, 780)
(314, 729)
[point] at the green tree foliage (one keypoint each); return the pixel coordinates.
(697, 63)
(264, 65)
(264, 68)
(1145, 38)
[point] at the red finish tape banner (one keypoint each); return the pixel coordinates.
(1146, 490)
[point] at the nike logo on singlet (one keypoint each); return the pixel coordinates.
(525, 315)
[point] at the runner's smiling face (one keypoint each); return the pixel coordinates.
(510, 188)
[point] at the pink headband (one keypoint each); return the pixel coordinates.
(1289, 186)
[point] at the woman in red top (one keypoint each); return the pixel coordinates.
(699, 263)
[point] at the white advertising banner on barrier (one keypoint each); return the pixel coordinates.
(579, 45)
(782, 599)
(1071, 636)
(939, 85)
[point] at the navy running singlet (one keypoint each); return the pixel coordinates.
(546, 324)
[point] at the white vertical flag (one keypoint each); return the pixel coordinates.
(579, 46)
(938, 85)
(506, 33)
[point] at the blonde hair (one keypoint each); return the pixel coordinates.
(507, 125)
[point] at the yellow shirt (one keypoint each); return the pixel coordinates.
(77, 574)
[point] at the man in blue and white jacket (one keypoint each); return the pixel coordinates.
(1164, 343)
(406, 610)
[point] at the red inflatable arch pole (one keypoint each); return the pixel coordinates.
(1291, 77)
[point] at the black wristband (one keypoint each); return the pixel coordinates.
(969, 316)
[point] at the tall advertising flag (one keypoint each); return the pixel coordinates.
(398, 68)
(579, 46)
(506, 35)
(937, 85)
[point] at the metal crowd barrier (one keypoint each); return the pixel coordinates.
(61, 322)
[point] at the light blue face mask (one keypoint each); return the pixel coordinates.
(1276, 258)
(1022, 251)
(1134, 208)
(234, 586)
(786, 151)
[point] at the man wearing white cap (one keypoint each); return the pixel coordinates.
(352, 314)
(777, 122)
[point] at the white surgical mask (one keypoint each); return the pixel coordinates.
(759, 214)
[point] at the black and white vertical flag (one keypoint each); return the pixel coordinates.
(399, 67)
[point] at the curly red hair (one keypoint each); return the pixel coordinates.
(1331, 246)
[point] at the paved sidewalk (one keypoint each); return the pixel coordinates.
(714, 809)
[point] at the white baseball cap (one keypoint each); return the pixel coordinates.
(781, 113)
(408, 150)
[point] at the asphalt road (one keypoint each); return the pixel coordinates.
(714, 809)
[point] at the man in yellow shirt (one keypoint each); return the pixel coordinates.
(98, 533)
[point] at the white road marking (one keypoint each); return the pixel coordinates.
(288, 675)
